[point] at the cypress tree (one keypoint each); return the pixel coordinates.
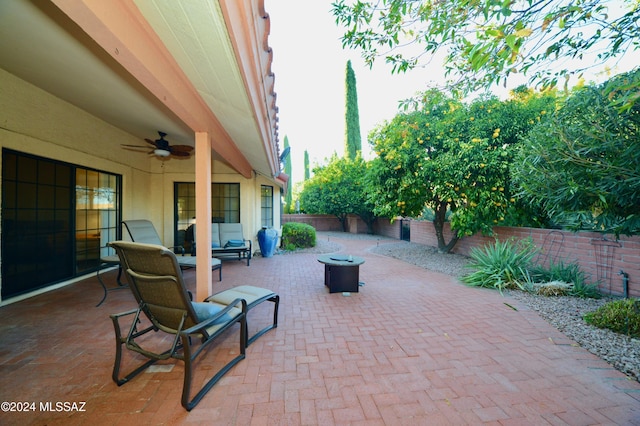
(306, 165)
(288, 198)
(353, 140)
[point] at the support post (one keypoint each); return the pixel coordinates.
(204, 277)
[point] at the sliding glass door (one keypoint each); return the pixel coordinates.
(55, 218)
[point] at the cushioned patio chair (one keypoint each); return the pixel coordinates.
(143, 231)
(156, 281)
(232, 241)
(227, 241)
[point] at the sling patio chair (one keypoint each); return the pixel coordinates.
(165, 307)
(143, 231)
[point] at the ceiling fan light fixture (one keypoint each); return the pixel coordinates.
(161, 152)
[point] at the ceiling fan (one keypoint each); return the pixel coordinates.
(162, 148)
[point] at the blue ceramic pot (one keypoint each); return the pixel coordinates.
(267, 239)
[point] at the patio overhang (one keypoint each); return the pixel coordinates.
(144, 66)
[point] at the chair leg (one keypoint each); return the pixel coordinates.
(104, 286)
(190, 356)
(115, 375)
(219, 269)
(119, 278)
(276, 301)
(130, 343)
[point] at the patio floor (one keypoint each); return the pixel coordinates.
(413, 347)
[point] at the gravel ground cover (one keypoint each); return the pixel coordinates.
(564, 313)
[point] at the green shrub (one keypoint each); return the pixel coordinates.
(585, 290)
(621, 316)
(567, 273)
(298, 235)
(501, 265)
(557, 271)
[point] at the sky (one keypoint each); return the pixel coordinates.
(310, 70)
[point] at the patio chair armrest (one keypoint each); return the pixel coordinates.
(134, 332)
(123, 314)
(197, 329)
(178, 250)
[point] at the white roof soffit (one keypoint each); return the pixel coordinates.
(222, 49)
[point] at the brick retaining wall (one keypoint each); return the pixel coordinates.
(355, 225)
(600, 257)
(319, 222)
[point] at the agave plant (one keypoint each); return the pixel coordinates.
(501, 265)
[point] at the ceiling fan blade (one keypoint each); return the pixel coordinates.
(138, 147)
(150, 142)
(180, 148)
(162, 148)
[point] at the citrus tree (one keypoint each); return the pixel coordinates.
(484, 42)
(453, 159)
(338, 188)
(582, 165)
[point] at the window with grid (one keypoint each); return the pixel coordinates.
(225, 207)
(266, 205)
(97, 215)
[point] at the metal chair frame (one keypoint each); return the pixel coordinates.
(163, 299)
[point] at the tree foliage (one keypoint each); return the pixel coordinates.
(353, 139)
(288, 198)
(454, 159)
(339, 189)
(487, 41)
(583, 165)
(306, 165)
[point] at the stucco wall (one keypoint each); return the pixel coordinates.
(34, 121)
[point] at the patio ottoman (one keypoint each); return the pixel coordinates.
(253, 296)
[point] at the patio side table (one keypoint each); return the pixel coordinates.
(341, 272)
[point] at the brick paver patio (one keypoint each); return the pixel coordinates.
(413, 347)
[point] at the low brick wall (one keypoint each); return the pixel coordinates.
(355, 225)
(387, 228)
(601, 257)
(319, 222)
